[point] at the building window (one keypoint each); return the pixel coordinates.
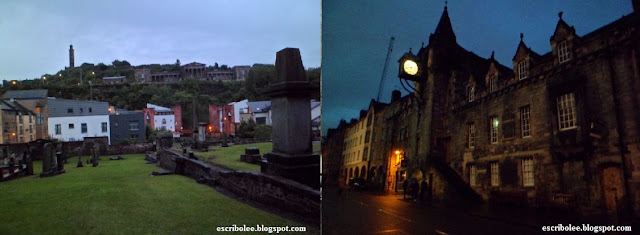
(472, 175)
(567, 111)
(527, 172)
(495, 174)
(133, 126)
(81, 110)
(69, 110)
(563, 52)
(83, 126)
(19, 117)
(39, 119)
(493, 83)
(523, 69)
(21, 130)
(104, 127)
(525, 124)
(164, 121)
(471, 133)
(71, 126)
(58, 129)
(90, 110)
(30, 119)
(471, 93)
(494, 130)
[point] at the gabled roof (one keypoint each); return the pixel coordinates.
(158, 108)
(259, 106)
(14, 106)
(193, 64)
(25, 94)
(523, 47)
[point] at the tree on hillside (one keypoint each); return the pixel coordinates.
(258, 80)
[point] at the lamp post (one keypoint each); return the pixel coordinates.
(91, 90)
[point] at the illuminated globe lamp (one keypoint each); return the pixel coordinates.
(410, 67)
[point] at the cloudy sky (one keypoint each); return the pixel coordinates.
(355, 37)
(35, 35)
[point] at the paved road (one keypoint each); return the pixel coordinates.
(362, 213)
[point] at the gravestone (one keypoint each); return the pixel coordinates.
(49, 161)
(292, 156)
(79, 151)
(251, 155)
(29, 162)
(96, 155)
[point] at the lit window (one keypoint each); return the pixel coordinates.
(495, 174)
(472, 175)
(567, 111)
(523, 69)
(471, 133)
(525, 125)
(563, 52)
(493, 83)
(471, 93)
(527, 172)
(494, 130)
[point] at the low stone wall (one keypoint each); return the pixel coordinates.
(273, 191)
(129, 149)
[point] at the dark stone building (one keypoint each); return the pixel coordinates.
(127, 126)
(559, 130)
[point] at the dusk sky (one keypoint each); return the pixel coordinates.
(355, 37)
(35, 35)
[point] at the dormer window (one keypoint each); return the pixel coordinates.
(493, 83)
(563, 52)
(523, 69)
(471, 90)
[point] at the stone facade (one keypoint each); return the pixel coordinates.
(559, 130)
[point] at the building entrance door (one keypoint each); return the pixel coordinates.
(612, 188)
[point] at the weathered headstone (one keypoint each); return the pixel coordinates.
(79, 151)
(96, 155)
(29, 162)
(49, 161)
(292, 156)
(251, 155)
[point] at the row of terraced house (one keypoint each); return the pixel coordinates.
(561, 129)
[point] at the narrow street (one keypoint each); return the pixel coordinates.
(362, 213)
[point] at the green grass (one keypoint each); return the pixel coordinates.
(230, 156)
(120, 197)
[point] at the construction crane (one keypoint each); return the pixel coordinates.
(384, 69)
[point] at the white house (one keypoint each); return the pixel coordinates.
(72, 120)
(160, 118)
(237, 108)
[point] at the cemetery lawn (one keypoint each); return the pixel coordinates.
(120, 197)
(230, 156)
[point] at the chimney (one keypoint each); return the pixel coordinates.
(395, 95)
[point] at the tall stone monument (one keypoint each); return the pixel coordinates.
(292, 156)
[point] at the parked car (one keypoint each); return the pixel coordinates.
(358, 183)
